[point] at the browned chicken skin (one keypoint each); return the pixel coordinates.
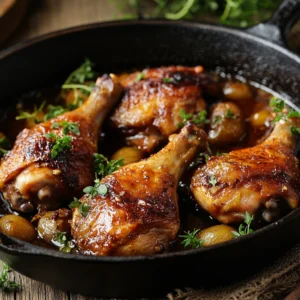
(262, 177)
(139, 214)
(150, 108)
(30, 177)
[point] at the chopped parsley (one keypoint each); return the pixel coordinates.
(83, 207)
(168, 80)
(140, 76)
(98, 189)
(6, 284)
(60, 143)
(24, 115)
(244, 229)
(198, 119)
(64, 244)
(104, 167)
(54, 111)
(82, 74)
(278, 107)
(190, 239)
(229, 114)
(67, 127)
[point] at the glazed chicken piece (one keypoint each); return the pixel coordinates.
(31, 178)
(139, 213)
(150, 108)
(263, 179)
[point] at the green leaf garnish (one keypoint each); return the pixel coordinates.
(198, 119)
(60, 143)
(82, 74)
(98, 189)
(190, 239)
(83, 207)
(67, 127)
(139, 77)
(229, 114)
(278, 107)
(24, 115)
(6, 284)
(244, 229)
(63, 243)
(54, 111)
(168, 80)
(104, 167)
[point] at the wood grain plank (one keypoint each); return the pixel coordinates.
(32, 290)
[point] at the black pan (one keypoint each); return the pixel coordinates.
(114, 46)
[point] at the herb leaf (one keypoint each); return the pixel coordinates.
(61, 143)
(83, 207)
(63, 243)
(278, 107)
(244, 229)
(82, 74)
(139, 76)
(229, 114)
(54, 111)
(6, 284)
(190, 239)
(24, 115)
(198, 119)
(67, 127)
(104, 167)
(168, 80)
(98, 189)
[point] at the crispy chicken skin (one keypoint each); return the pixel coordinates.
(262, 178)
(139, 214)
(30, 178)
(150, 108)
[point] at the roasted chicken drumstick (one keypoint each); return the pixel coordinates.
(153, 99)
(263, 178)
(138, 215)
(31, 177)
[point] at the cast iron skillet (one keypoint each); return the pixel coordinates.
(114, 46)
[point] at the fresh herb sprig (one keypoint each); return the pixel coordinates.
(228, 115)
(6, 284)
(104, 167)
(198, 119)
(67, 127)
(64, 244)
(83, 207)
(82, 74)
(190, 239)
(98, 189)
(244, 228)
(239, 13)
(24, 115)
(60, 143)
(54, 111)
(279, 108)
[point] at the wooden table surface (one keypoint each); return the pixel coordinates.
(46, 16)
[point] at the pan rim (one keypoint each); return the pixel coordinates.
(21, 247)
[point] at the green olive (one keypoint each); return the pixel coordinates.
(129, 154)
(17, 227)
(215, 235)
(52, 222)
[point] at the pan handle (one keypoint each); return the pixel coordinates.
(277, 28)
